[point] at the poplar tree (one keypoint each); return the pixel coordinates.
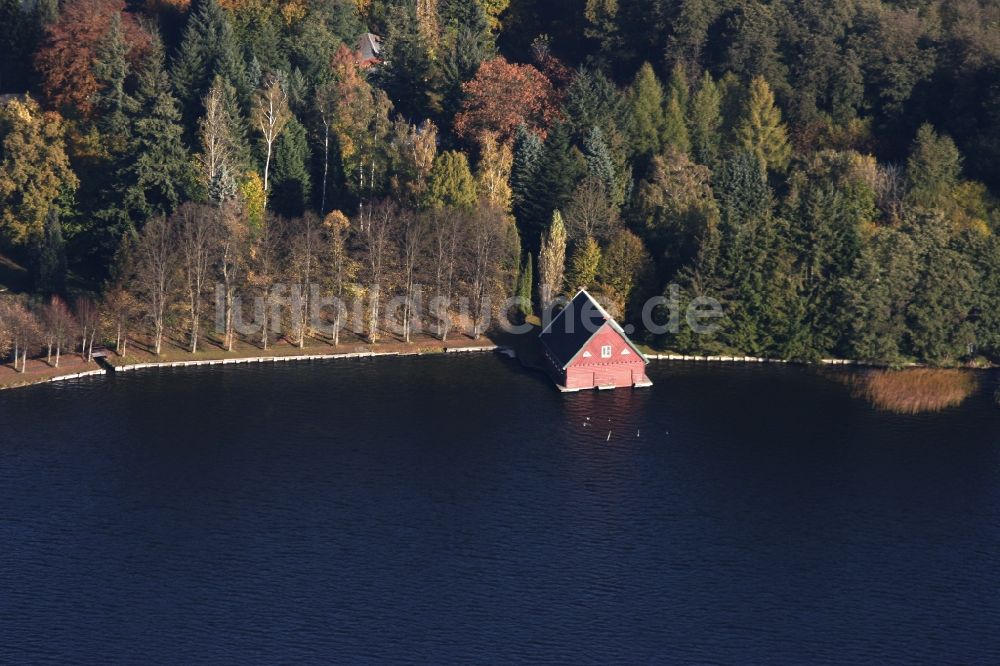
(552, 261)
(525, 283)
(761, 131)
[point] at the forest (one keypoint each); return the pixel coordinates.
(826, 169)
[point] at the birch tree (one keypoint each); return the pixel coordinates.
(270, 114)
(265, 263)
(339, 262)
(231, 256)
(494, 248)
(445, 234)
(88, 318)
(304, 246)
(57, 320)
(375, 235)
(410, 235)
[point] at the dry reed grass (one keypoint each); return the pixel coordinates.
(914, 391)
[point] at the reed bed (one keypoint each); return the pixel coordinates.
(914, 391)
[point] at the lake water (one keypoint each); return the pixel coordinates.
(442, 510)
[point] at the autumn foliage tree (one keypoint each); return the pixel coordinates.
(67, 54)
(502, 97)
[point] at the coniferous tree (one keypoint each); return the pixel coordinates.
(675, 131)
(559, 170)
(111, 71)
(933, 169)
(706, 122)
(647, 122)
(209, 49)
(761, 131)
(157, 175)
(409, 75)
(528, 149)
(292, 185)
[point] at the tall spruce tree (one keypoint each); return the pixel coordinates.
(158, 175)
(208, 49)
(292, 185)
(528, 149)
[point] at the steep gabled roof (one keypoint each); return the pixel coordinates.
(570, 330)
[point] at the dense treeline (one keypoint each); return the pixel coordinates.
(824, 169)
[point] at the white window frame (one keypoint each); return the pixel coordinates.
(606, 351)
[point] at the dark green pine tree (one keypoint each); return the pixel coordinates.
(408, 75)
(561, 167)
(158, 176)
(599, 162)
(208, 49)
(49, 264)
(528, 150)
(748, 256)
(292, 185)
(591, 101)
(466, 42)
(111, 71)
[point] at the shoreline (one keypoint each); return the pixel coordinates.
(111, 368)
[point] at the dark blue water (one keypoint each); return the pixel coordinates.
(438, 510)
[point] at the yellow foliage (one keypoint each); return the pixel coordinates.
(252, 189)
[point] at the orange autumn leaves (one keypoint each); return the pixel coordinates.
(503, 96)
(65, 57)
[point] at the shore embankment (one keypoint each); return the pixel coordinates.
(39, 372)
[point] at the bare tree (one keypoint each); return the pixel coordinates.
(155, 257)
(270, 114)
(445, 234)
(375, 237)
(197, 229)
(231, 253)
(590, 212)
(24, 332)
(58, 321)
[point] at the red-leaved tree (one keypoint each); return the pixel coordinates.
(501, 97)
(66, 55)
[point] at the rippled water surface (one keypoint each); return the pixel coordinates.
(440, 510)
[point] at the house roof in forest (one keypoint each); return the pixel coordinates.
(370, 47)
(570, 330)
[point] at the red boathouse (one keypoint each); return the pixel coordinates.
(586, 349)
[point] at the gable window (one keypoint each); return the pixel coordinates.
(606, 351)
